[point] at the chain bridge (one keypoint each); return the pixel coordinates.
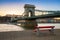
(31, 14)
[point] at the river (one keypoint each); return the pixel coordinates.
(57, 25)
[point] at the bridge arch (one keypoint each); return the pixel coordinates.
(29, 9)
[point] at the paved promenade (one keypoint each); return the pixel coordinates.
(28, 35)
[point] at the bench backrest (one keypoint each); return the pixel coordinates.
(44, 26)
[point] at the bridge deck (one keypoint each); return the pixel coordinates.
(37, 17)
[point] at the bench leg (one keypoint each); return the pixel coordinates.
(38, 32)
(52, 31)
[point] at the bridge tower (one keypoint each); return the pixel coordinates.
(29, 12)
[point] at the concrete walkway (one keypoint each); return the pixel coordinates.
(29, 35)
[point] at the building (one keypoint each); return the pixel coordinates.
(4, 19)
(8, 18)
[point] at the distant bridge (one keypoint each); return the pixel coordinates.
(52, 14)
(30, 16)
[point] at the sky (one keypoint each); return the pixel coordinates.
(17, 6)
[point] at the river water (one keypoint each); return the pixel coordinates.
(10, 27)
(57, 25)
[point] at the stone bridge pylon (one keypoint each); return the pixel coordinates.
(29, 12)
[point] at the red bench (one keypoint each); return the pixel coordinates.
(37, 28)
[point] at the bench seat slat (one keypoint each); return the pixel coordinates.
(45, 26)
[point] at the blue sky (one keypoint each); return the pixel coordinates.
(40, 4)
(31, 1)
(47, 4)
